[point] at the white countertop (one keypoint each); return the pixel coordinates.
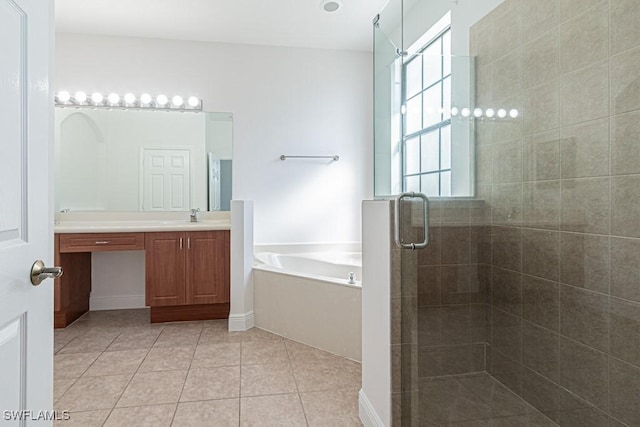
(119, 222)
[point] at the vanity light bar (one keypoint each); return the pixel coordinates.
(128, 101)
(489, 113)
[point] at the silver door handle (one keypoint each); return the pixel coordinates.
(39, 272)
(102, 242)
(399, 227)
(181, 243)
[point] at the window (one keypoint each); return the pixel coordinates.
(426, 136)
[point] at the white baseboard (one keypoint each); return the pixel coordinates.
(241, 322)
(368, 414)
(116, 302)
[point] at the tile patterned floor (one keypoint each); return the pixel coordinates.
(113, 368)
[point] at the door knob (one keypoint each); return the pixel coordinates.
(39, 272)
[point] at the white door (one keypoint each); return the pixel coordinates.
(26, 209)
(166, 180)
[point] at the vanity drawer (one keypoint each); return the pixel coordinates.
(99, 242)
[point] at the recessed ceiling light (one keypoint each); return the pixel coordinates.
(331, 5)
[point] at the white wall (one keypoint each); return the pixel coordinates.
(283, 100)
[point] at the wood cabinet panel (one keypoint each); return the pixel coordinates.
(208, 278)
(165, 269)
(100, 242)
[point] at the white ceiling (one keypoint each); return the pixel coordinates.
(294, 23)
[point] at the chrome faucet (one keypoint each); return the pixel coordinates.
(194, 214)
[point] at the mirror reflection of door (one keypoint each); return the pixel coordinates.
(165, 180)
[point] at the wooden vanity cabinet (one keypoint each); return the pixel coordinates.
(187, 275)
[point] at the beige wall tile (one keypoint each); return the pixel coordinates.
(540, 350)
(571, 8)
(507, 76)
(625, 142)
(507, 335)
(583, 371)
(541, 108)
(584, 261)
(625, 31)
(542, 393)
(625, 206)
(625, 268)
(541, 59)
(541, 302)
(507, 162)
(584, 94)
(506, 204)
(625, 81)
(585, 205)
(541, 156)
(507, 247)
(541, 204)
(541, 253)
(585, 317)
(539, 17)
(624, 383)
(584, 39)
(584, 149)
(506, 291)
(625, 324)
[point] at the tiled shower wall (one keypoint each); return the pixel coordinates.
(562, 191)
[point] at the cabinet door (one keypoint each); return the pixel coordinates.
(208, 267)
(164, 268)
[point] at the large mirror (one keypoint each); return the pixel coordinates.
(132, 160)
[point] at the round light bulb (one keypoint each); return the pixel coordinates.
(129, 98)
(454, 111)
(80, 97)
(145, 98)
(502, 113)
(177, 101)
(193, 101)
(162, 99)
(490, 112)
(513, 113)
(64, 96)
(465, 112)
(477, 113)
(113, 98)
(97, 98)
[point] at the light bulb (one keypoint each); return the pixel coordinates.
(477, 113)
(454, 111)
(490, 112)
(162, 99)
(113, 98)
(193, 101)
(64, 96)
(145, 98)
(97, 98)
(502, 113)
(177, 101)
(129, 98)
(465, 112)
(513, 113)
(80, 97)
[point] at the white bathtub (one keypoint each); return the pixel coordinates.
(305, 296)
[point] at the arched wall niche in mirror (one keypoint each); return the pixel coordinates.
(131, 160)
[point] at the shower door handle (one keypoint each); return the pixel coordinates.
(399, 228)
